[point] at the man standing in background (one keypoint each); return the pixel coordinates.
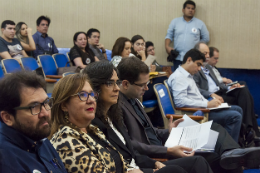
(186, 32)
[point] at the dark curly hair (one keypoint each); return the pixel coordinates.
(99, 73)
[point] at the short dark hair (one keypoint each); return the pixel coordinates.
(211, 51)
(189, 2)
(99, 73)
(39, 20)
(7, 22)
(11, 86)
(148, 44)
(130, 69)
(195, 55)
(119, 46)
(90, 31)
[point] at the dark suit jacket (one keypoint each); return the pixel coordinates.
(127, 150)
(202, 82)
(137, 132)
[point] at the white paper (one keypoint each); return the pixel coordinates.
(175, 135)
(161, 93)
(149, 60)
(223, 105)
(235, 88)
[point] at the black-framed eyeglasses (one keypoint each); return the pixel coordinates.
(36, 108)
(83, 95)
(112, 83)
(142, 85)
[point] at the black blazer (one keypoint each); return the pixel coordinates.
(127, 150)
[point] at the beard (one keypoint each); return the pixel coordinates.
(35, 133)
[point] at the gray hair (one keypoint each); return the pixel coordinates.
(197, 45)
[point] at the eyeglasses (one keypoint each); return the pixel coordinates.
(150, 50)
(112, 83)
(37, 107)
(142, 85)
(83, 96)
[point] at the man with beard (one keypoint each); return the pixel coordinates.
(25, 124)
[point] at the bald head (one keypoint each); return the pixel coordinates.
(203, 48)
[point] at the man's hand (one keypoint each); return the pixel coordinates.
(159, 165)
(101, 46)
(237, 85)
(173, 124)
(178, 151)
(226, 80)
(213, 103)
(169, 49)
(217, 97)
(29, 31)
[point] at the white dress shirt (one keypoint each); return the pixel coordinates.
(185, 91)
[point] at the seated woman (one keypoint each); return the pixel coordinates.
(80, 54)
(109, 119)
(82, 146)
(121, 49)
(24, 35)
(138, 47)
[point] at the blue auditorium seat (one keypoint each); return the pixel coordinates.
(63, 50)
(11, 65)
(61, 60)
(150, 103)
(29, 63)
(251, 171)
(1, 72)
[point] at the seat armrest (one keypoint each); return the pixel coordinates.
(160, 159)
(50, 80)
(196, 118)
(204, 110)
(54, 76)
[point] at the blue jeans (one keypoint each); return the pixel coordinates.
(230, 119)
(176, 64)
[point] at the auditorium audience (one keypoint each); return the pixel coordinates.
(121, 49)
(186, 94)
(209, 86)
(25, 122)
(138, 47)
(44, 43)
(150, 50)
(93, 36)
(80, 54)
(24, 35)
(149, 141)
(104, 79)
(10, 47)
(186, 32)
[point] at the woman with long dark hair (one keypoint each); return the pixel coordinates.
(80, 54)
(138, 47)
(109, 119)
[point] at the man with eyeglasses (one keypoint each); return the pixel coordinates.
(148, 140)
(150, 50)
(44, 44)
(25, 117)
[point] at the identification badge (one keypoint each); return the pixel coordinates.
(49, 45)
(88, 60)
(19, 47)
(36, 171)
(194, 30)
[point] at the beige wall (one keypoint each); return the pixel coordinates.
(233, 24)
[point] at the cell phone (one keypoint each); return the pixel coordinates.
(230, 84)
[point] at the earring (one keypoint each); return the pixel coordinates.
(66, 117)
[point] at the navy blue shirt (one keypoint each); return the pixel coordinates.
(18, 153)
(43, 44)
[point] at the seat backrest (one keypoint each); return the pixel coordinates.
(1, 73)
(61, 60)
(163, 99)
(48, 64)
(29, 63)
(11, 65)
(169, 93)
(109, 54)
(63, 50)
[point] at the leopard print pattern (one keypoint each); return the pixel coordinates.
(81, 154)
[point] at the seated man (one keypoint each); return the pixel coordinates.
(150, 50)
(148, 140)
(212, 61)
(44, 43)
(209, 86)
(186, 94)
(25, 122)
(93, 42)
(10, 47)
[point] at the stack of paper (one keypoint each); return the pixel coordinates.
(222, 106)
(191, 134)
